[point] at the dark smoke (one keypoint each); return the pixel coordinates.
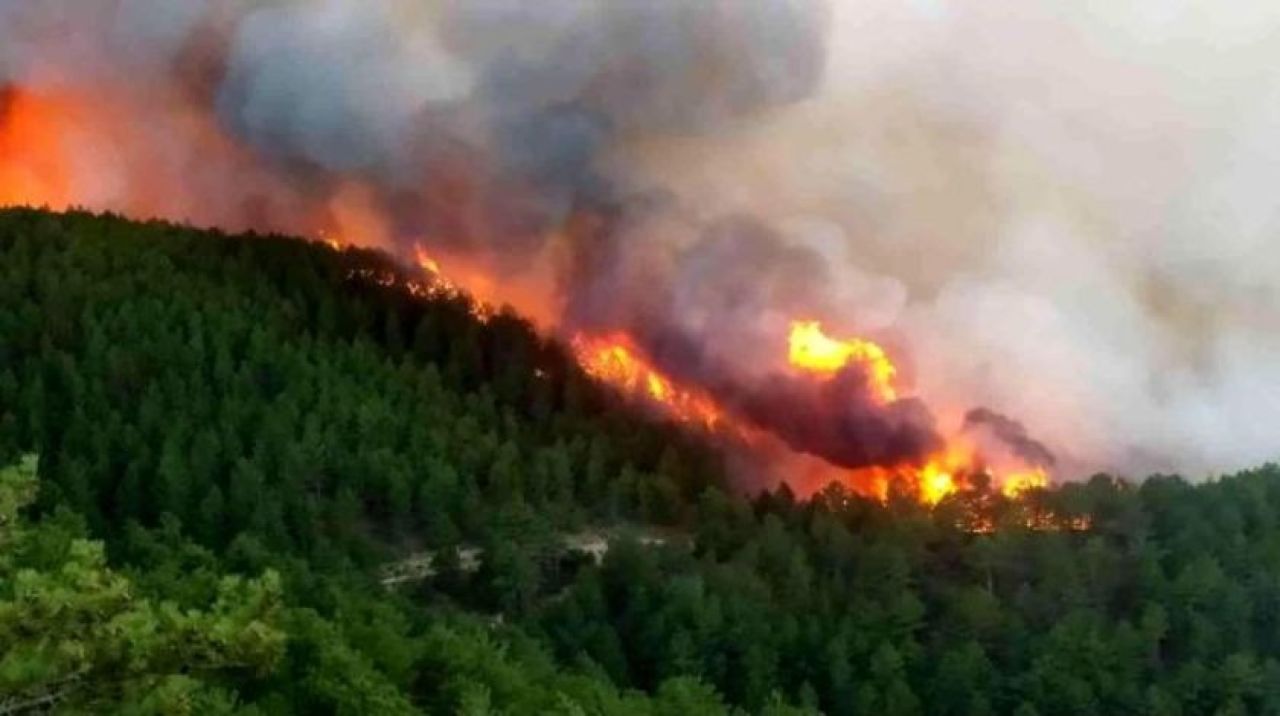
(838, 420)
(840, 423)
(1012, 434)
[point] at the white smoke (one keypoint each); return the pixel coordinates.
(1077, 198)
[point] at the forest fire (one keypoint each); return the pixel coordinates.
(948, 473)
(814, 351)
(941, 475)
(617, 363)
(678, 327)
(36, 169)
(770, 356)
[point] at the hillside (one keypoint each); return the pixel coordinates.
(290, 419)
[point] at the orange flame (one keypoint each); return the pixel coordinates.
(425, 261)
(814, 351)
(33, 167)
(939, 477)
(456, 273)
(616, 362)
(1017, 484)
(952, 471)
(935, 481)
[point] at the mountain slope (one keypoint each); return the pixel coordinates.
(216, 406)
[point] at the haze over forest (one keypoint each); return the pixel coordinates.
(639, 357)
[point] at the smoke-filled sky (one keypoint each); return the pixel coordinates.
(1061, 212)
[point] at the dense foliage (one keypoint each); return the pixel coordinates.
(79, 637)
(256, 426)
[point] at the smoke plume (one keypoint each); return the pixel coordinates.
(1013, 434)
(1062, 214)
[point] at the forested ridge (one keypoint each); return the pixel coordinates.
(235, 435)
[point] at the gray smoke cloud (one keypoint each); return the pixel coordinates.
(351, 85)
(1074, 202)
(64, 42)
(1060, 213)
